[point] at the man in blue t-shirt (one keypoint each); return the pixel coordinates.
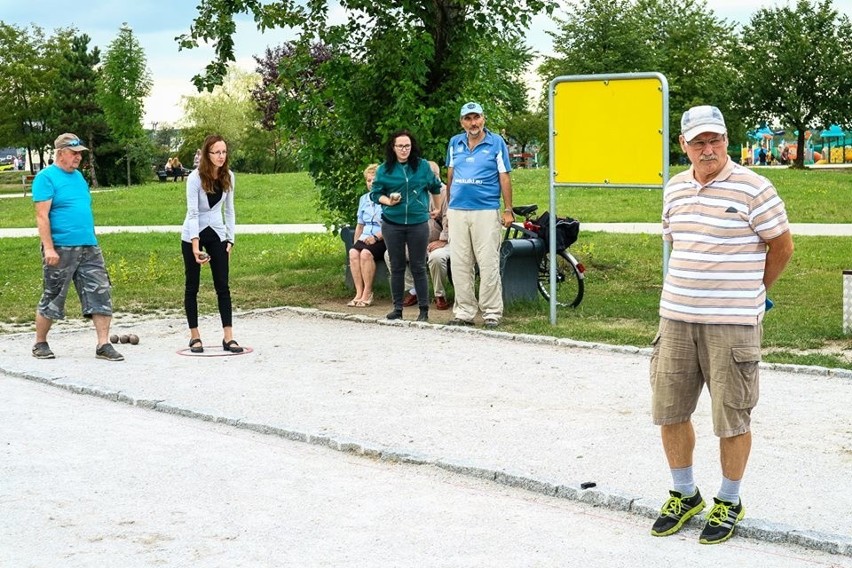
(478, 175)
(69, 248)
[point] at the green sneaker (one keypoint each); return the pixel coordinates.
(721, 520)
(676, 511)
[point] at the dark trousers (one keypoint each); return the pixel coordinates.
(415, 237)
(208, 242)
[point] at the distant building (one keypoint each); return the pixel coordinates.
(7, 155)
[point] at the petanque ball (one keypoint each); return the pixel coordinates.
(125, 339)
(113, 338)
(134, 339)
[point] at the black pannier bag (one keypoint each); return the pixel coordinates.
(567, 231)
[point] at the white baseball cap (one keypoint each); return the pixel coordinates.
(470, 108)
(700, 119)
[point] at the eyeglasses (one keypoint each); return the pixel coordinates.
(219, 153)
(71, 143)
(402, 146)
(701, 144)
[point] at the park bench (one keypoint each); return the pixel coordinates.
(522, 160)
(347, 235)
(163, 175)
(518, 266)
(27, 181)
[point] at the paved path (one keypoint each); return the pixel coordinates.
(241, 229)
(87, 482)
(526, 412)
(813, 229)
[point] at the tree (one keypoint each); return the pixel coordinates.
(228, 111)
(527, 128)
(29, 67)
(796, 64)
(597, 37)
(267, 96)
(123, 84)
(684, 41)
(74, 105)
(399, 63)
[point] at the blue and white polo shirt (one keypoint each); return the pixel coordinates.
(476, 173)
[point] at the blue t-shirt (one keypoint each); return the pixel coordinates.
(476, 174)
(71, 221)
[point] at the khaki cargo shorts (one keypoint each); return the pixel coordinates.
(686, 356)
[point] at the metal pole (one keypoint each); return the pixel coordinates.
(552, 206)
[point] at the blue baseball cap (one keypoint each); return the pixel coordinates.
(471, 108)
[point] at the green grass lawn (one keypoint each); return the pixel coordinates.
(812, 196)
(261, 199)
(623, 278)
(623, 282)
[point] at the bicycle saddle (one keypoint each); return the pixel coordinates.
(525, 210)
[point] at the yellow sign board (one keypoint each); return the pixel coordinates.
(609, 130)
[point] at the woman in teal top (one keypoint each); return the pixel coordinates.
(409, 192)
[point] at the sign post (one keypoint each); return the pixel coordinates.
(626, 115)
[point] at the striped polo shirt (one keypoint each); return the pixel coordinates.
(718, 234)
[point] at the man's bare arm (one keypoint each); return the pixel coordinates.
(43, 223)
(779, 254)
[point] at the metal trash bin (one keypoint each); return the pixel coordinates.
(519, 259)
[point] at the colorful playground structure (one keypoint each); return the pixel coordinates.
(834, 147)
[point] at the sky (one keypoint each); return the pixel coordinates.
(156, 23)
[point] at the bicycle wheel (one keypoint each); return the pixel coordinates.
(569, 279)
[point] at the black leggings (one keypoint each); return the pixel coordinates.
(209, 242)
(416, 238)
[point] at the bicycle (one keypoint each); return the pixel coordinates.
(570, 273)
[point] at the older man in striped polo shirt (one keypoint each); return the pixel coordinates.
(730, 241)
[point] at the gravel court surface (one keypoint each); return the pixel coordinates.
(87, 482)
(481, 400)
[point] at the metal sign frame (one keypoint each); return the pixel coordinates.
(625, 104)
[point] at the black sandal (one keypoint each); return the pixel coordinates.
(196, 341)
(231, 346)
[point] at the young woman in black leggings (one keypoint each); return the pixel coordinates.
(409, 192)
(208, 237)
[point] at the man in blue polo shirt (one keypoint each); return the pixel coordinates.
(478, 174)
(69, 248)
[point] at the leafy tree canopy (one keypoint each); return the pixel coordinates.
(796, 64)
(684, 41)
(525, 129)
(29, 66)
(393, 64)
(228, 111)
(123, 83)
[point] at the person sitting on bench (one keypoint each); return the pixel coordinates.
(369, 245)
